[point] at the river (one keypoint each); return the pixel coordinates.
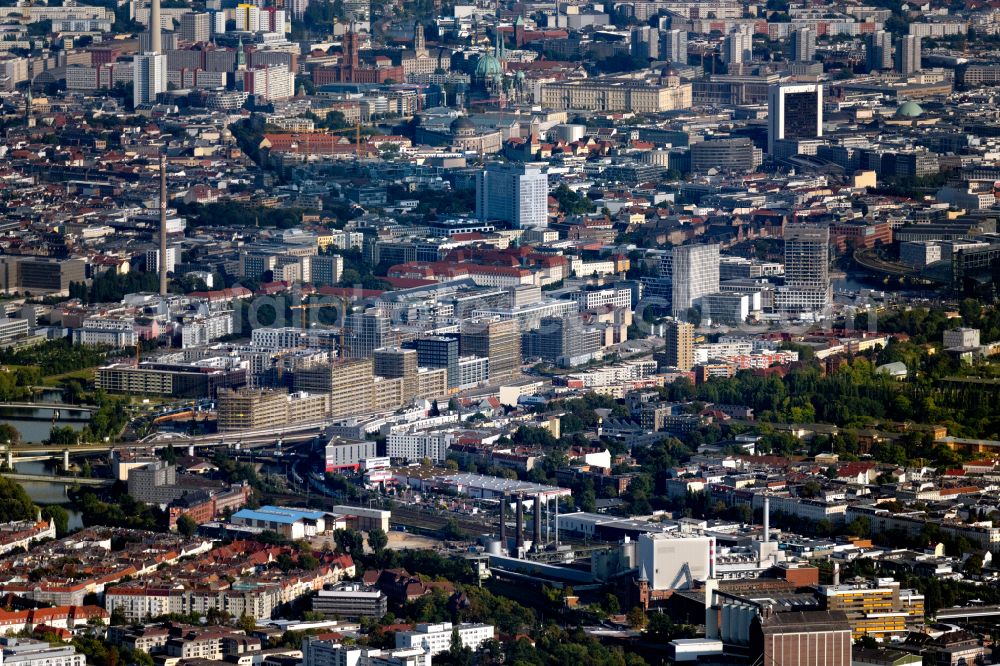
(35, 423)
(47, 493)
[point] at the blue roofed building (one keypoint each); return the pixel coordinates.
(290, 522)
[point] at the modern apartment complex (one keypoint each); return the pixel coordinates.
(679, 348)
(495, 339)
(807, 269)
(250, 409)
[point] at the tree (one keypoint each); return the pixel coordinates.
(186, 525)
(571, 202)
(636, 618)
(14, 502)
(59, 516)
(63, 435)
(9, 435)
(458, 654)
(349, 541)
(452, 531)
(247, 623)
(377, 540)
(118, 617)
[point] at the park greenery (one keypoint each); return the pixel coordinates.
(111, 287)
(53, 357)
(119, 510)
(571, 202)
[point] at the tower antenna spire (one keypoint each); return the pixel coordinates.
(163, 220)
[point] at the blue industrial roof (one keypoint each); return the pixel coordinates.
(279, 514)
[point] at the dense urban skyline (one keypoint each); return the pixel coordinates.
(339, 333)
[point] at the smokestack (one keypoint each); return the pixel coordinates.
(537, 541)
(519, 526)
(557, 521)
(155, 27)
(503, 523)
(767, 519)
(163, 200)
(836, 573)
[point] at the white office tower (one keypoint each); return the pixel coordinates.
(794, 111)
(908, 54)
(149, 75)
(674, 46)
(807, 269)
(217, 23)
(803, 45)
(738, 46)
(513, 193)
(878, 51)
(695, 273)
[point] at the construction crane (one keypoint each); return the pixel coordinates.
(304, 307)
(357, 135)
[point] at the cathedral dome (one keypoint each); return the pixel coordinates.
(488, 67)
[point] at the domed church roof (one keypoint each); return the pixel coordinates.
(909, 109)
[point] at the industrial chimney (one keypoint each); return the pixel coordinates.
(536, 544)
(503, 523)
(767, 519)
(519, 527)
(155, 27)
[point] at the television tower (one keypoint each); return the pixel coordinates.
(163, 215)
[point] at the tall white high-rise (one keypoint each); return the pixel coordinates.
(738, 46)
(794, 111)
(514, 193)
(878, 51)
(695, 273)
(196, 27)
(807, 269)
(674, 46)
(803, 45)
(908, 54)
(149, 75)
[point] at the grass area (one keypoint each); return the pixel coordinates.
(86, 375)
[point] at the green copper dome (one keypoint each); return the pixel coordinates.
(909, 110)
(488, 67)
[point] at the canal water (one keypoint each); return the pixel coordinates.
(42, 492)
(35, 423)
